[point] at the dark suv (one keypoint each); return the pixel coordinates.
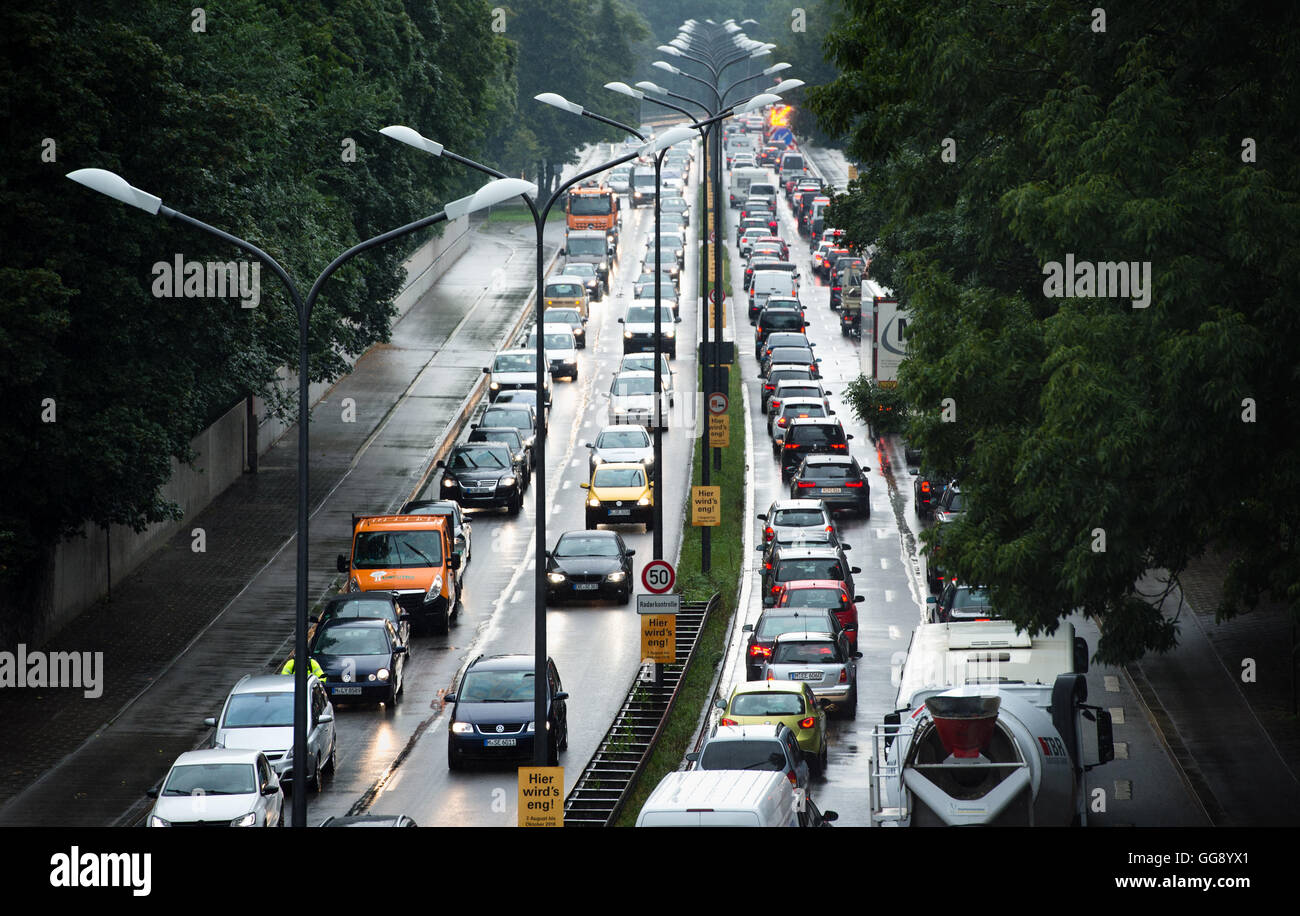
(492, 711)
(778, 319)
(481, 475)
(811, 436)
(836, 480)
(777, 620)
(797, 562)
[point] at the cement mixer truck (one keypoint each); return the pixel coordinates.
(989, 731)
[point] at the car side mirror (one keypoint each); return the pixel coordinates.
(210, 722)
(342, 563)
(271, 788)
(760, 548)
(487, 371)
(454, 561)
(400, 650)
(827, 393)
(857, 598)
(588, 444)
(849, 436)
(152, 791)
(720, 703)
(693, 756)
(855, 570)
(830, 413)
(631, 553)
(440, 463)
(585, 486)
(402, 615)
(844, 546)
(325, 718)
(562, 695)
(620, 321)
(931, 600)
(747, 628)
(448, 698)
(678, 319)
(857, 654)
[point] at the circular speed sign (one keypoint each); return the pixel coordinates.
(658, 576)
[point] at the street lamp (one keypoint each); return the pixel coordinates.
(116, 187)
(652, 146)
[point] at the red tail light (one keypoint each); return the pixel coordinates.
(791, 445)
(808, 722)
(771, 676)
(768, 532)
(925, 486)
(852, 483)
(830, 527)
(725, 721)
(839, 445)
(806, 484)
(790, 776)
(756, 651)
(769, 388)
(844, 675)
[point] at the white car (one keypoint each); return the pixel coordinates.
(513, 369)
(621, 445)
(258, 716)
(632, 399)
(561, 349)
(222, 787)
(645, 362)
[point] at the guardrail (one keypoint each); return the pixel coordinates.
(597, 797)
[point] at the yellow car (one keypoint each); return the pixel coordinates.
(789, 702)
(620, 494)
(567, 292)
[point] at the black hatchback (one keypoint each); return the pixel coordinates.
(811, 436)
(481, 475)
(492, 712)
(836, 480)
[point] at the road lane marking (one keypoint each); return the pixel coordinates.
(1112, 683)
(894, 632)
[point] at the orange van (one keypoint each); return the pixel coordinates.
(412, 557)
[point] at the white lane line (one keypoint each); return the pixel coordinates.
(884, 564)
(1117, 715)
(531, 564)
(566, 485)
(1112, 683)
(895, 633)
(519, 593)
(890, 594)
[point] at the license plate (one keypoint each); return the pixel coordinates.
(620, 511)
(346, 691)
(832, 489)
(498, 742)
(586, 586)
(806, 676)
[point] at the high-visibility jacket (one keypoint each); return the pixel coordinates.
(314, 668)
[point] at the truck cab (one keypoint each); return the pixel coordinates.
(411, 556)
(596, 209)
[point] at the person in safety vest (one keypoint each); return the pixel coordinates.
(313, 668)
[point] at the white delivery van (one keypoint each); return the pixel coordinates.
(792, 167)
(721, 798)
(768, 283)
(742, 178)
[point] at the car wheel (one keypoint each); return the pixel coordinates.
(624, 598)
(331, 761)
(822, 760)
(454, 762)
(314, 781)
(516, 504)
(552, 751)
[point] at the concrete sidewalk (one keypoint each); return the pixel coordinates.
(181, 629)
(1236, 740)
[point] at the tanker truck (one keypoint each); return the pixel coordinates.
(989, 731)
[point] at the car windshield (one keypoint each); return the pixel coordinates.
(792, 570)
(624, 438)
(806, 653)
(519, 419)
(585, 546)
(813, 597)
(397, 549)
(515, 362)
(804, 518)
(352, 641)
(624, 386)
(787, 339)
(618, 477)
(791, 355)
(506, 434)
(568, 316)
(771, 626)
(643, 179)
(802, 411)
(581, 269)
(496, 687)
(766, 704)
(645, 362)
(259, 710)
(562, 341)
(211, 779)
(829, 471)
(358, 608)
(782, 321)
(743, 755)
(816, 434)
(586, 246)
(564, 290)
(472, 459)
(672, 203)
(645, 314)
(589, 204)
(971, 599)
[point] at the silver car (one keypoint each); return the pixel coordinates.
(632, 400)
(621, 445)
(258, 716)
(793, 408)
(561, 349)
(223, 787)
(819, 660)
(515, 369)
(754, 747)
(645, 362)
(796, 514)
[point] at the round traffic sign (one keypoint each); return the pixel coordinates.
(718, 296)
(717, 402)
(658, 576)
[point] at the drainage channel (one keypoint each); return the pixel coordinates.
(597, 798)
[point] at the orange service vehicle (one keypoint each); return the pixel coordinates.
(593, 207)
(412, 557)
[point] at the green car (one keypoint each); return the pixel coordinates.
(789, 702)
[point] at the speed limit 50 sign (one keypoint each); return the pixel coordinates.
(658, 577)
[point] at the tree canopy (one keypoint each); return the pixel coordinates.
(1095, 440)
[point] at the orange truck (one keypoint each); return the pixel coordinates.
(410, 556)
(593, 207)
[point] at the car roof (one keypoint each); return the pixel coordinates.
(219, 755)
(768, 687)
(519, 351)
(402, 522)
(779, 504)
(516, 662)
(797, 551)
(621, 428)
(592, 532)
(805, 636)
(746, 732)
(824, 459)
(264, 683)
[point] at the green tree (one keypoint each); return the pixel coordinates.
(998, 139)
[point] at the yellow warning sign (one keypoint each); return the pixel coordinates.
(541, 796)
(853, 173)
(659, 638)
(719, 430)
(706, 506)
(722, 312)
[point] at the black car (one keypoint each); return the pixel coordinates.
(796, 563)
(492, 711)
(375, 604)
(525, 397)
(778, 319)
(511, 437)
(363, 660)
(778, 373)
(791, 356)
(963, 602)
(481, 475)
(927, 487)
(521, 416)
(780, 339)
(461, 529)
(811, 436)
(589, 564)
(784, 537)
(369, 820)
(777, 620)
(836, 480)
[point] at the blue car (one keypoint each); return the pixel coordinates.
(363, 660)
(492, 714)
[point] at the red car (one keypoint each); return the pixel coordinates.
(824, 593)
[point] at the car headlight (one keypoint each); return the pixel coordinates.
(434, 590)
(382, 674)
(462, 728)
(578, 332)
(643, 501)
(616, 576)
(449, 481)
(530, 726)
(520, 456)
(627, 334)
(506, 482)
(156, 821)
(670, 333)
(596, 459)
(354, 585)
(555, 578)
(593, 502)
(494, 385)
(248, 820)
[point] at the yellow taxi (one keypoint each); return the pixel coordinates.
(567, 292)
(790, 703)
(620, 494)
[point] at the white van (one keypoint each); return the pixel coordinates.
(742, 178)
(721, 798)
(768, 283)
(792, 167)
